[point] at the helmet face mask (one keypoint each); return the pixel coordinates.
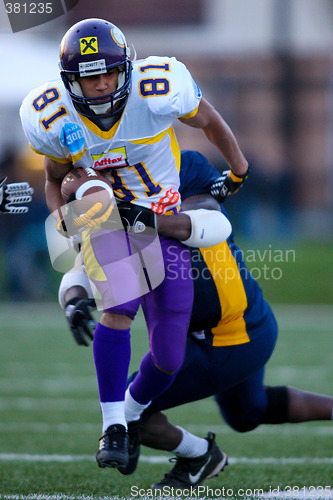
(93, 47)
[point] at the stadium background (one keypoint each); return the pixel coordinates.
(267, 66)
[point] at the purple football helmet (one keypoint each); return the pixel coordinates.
(92, 47)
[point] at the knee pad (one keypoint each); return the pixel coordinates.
(242, 419)
(277, 405)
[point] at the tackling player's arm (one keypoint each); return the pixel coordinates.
(179, 226)
(220, 134)
(75, 291)
(76, 298)
(78, 308)
(75, 294)
(196, 226)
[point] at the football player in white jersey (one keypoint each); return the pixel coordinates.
(116, 115)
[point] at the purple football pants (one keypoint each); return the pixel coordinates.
(167, 309)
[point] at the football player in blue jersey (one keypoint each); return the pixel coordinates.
(14, 194)
(232, 335)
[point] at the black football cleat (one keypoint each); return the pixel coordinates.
(134, 442)
(191, 472)
(113, 447)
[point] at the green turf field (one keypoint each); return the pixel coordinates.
(50, 420)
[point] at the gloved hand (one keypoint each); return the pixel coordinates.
(135, 218)
(14, 194)
(80, 320)
(229, 183)
(72, 224)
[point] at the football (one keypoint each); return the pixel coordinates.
(89, 187)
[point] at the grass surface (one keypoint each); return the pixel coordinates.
(293, 273)
(289, 272)
(50, 419)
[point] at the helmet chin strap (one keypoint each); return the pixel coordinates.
(102, 108)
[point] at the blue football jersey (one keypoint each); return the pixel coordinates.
(228, 302)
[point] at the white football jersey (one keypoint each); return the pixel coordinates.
(140, 153)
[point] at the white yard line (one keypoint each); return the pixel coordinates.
(158, 459)
(303, 494)
(56, 496)
(306, 494)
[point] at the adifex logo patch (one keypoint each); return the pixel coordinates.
(89, 45)
(113, 158)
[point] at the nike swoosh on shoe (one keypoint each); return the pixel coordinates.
(196, 477)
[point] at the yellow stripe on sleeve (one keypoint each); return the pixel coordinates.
(78, 156)
(190, 115)
(59, 160)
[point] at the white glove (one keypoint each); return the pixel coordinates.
(14, 194)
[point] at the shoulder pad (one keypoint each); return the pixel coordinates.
(166, 85)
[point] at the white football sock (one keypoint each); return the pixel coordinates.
(113, 413)
(191, 446)
(133, 409)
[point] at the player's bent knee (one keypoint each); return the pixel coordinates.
(170, 366)
(166, 371)
(169, 362)
(275, 411)
(243, 417)
(243, 424)
(116, 321)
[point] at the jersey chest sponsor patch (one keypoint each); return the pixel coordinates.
(72, 137)
(113, 158)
